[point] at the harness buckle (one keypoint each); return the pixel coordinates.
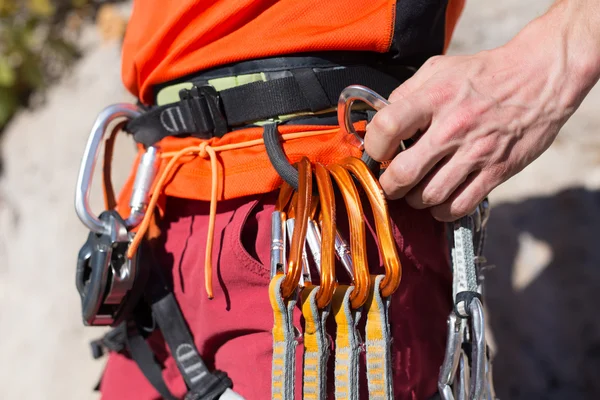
(203, 105)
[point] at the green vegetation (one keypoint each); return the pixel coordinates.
(37, 43)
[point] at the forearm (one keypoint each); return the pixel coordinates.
(568, 38)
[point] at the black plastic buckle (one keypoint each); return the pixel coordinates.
(203, 105)
(108, 283)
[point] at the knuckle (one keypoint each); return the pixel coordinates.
(460, 208)
(442, 139)
(463, 120)
(440, 94)
(385, 123)
(482, 150)
(431, 61)
(432, 196)
(402, 174)
(498, 172)
(398, 94)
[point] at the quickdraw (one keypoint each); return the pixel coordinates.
(463, 375)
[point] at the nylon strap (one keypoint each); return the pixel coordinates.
(464, 283)
(378, 339)
(207, 115)
(144, 357)
(283, 378)
(347, 345)
(201, 382)
(316, 347)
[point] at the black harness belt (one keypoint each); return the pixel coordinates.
(205, 113)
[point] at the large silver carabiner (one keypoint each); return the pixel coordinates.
(144, 175)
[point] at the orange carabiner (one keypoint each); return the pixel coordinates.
(328, 283)
(285, 194)
(387, 244)
(301, 209)
(362, 277)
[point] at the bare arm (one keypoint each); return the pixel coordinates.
(485, 117)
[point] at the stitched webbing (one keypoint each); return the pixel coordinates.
(316, 346)
(465, 285)
(378, 340)
(284, 342)
(347, 345)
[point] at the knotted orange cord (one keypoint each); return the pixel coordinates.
(202, 150)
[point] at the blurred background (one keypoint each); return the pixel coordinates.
(60, 65)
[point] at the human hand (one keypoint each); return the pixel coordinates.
(483, 118)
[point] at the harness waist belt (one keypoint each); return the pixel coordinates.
(204, 112)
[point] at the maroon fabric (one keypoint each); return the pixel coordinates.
(233, 331)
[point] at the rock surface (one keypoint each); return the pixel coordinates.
(542, 293)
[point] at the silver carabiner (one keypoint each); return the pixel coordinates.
(454, 341)
(278, 247)
(478, 352)
(305, 277)
(144, 175)
(348, 96)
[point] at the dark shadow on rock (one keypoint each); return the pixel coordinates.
(547, 333)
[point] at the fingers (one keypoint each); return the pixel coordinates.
(400, 120)
(411, 166)
(439, 185)
(465, 198)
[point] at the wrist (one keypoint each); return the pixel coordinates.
(571, 32)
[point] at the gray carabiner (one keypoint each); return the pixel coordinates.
(454, 340)
(313, 238)
(278, 234)
(478, 351)
(342, 250)
(462, 377)
(144, 176)
(348, 96)
(305, 277)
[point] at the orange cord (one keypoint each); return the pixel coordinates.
(202, 150)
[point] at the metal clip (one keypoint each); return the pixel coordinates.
(313, 238)
(454, 341)
(278, 234)
(478, 351)
(467, 247)
(342, 250)
(351, 94)
(144, 176)
(305, 276)
(474, 384)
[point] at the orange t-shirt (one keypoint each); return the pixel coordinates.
(166, 40)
